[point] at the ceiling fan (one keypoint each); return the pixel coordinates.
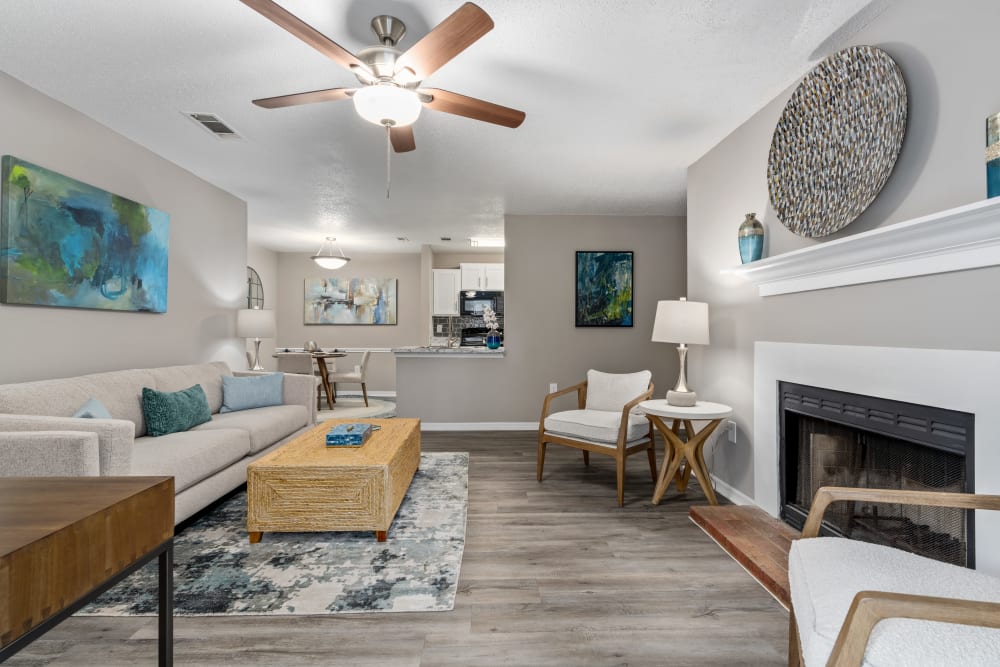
(391, 94)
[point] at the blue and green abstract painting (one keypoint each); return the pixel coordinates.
(603, 289)
(69, 244)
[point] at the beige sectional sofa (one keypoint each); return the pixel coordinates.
(206, 461)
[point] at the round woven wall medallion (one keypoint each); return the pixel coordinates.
(837, 141)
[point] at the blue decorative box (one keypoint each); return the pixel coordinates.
(348, 435)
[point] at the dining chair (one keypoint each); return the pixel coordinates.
(358, 377)
(301, 363)
(603, 422)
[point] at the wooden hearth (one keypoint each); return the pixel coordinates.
(754, 539)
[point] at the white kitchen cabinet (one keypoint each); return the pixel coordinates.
(447, 284)
(482, 276)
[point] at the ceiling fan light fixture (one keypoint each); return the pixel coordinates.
(387, 104)
(326, 257)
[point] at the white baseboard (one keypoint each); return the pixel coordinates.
(376, 394)
(730, 492)
(479, 426)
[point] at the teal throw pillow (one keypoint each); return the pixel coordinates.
(93, 409)
(254, 391)
(171, 412)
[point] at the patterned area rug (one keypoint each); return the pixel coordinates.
(218, 572)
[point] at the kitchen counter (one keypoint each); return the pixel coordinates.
(438, 351)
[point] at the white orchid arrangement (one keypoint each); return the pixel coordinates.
(490, 319)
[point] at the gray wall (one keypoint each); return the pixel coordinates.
(543, 344)
(294, 268)
(207, 253)
(946, 55)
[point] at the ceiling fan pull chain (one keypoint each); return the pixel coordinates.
(388, 158)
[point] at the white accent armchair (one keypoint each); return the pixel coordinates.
(603, 423)
(855, 603)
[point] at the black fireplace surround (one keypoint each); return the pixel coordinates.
(834, 438)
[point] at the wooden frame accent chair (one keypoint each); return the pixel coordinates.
(603, 422)
(842, 590)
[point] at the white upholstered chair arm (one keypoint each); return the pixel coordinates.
(870, 607)
(49, 454)
(115, 437)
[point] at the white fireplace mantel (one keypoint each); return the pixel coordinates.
(962, 380)
(966, 237)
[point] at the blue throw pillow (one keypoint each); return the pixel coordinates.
(93, 409)
(255, 391)
(171, 412)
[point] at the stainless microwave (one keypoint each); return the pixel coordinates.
(472, 302)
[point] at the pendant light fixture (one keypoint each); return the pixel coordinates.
(326, 256)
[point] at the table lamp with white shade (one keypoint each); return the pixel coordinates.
(255, 323)
(686, 323)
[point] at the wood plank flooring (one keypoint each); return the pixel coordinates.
(554, 574)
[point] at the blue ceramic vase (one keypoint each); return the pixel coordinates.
(493, 340)
(751, 239)
(993, 156)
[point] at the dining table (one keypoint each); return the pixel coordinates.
(320, 357)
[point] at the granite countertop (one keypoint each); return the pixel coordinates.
(448, 351)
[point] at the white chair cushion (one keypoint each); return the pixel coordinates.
(825, 573)
(597, 426)
(611, 391)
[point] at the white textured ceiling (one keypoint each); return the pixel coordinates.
(620, 95)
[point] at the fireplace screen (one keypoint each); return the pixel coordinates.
(818, 451)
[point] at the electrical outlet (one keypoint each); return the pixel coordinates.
(553, 387)
(731, 431)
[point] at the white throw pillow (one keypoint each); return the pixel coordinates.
(611, 391)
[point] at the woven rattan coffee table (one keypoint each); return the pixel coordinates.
(306, 486)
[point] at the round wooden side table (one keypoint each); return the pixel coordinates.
(690, 450)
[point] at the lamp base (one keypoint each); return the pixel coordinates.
(256, 356)
(682, 399)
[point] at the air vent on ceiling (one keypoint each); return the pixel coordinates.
(214, 124)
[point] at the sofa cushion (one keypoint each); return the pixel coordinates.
(256, 391)
(173, 411)
(611, 391)
(190, 456)
(596, 425)
(825, 573)
(209, 376)
(119, 391)
(265, 426)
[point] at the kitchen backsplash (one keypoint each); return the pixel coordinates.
(460, 322)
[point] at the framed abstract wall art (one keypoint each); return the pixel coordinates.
(68, 244)
(350, 301)
(603, 288)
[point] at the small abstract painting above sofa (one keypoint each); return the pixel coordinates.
(65, 243)
(350, 301)
(603, 289)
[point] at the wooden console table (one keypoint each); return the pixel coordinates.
(66, 540)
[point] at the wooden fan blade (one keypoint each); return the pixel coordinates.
(308, 34)
(452, 36)
(470, 107)
(402, 139)
(328, 95)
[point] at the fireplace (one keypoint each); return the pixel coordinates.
(836, 438)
